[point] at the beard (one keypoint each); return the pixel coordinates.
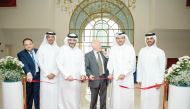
(72, 45)
(149, 43)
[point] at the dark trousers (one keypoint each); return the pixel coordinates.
(102, 92)
(33, 94)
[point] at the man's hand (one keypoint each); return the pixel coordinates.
(139, 84)
(121, 77)
(29, 77)
(91, 77)
(82, 77)
(70, 78)
(110, 77)
(51, 76)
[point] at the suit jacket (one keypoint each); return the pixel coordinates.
(29, 65)
(91, 67)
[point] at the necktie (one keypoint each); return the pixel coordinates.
(32, 57)
(100, 67)
(36, 66)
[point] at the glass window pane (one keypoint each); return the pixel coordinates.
(102, 29)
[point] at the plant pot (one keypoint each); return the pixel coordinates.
(179, 97)
(12, 95)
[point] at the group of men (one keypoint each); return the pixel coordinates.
(60, 71)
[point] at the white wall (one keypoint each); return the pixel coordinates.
(1, 32)
(15, 37)
(30, 18)
(61, 25)
(2, 41)
(170, 20)
(175, 43)
(1, 35)
(141, 20)
(28, 14)
(171, 14)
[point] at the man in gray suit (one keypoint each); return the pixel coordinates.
(96, 69)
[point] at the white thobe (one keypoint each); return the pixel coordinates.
(150, 71)
(47, 62)
(122, 61)
(70, 62)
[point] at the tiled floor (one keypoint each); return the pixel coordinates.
(85, 97)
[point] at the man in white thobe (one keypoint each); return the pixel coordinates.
(121, 66)
(70, 62)
(49, 72)
(150, 71)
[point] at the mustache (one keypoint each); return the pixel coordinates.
(149, 41)
(50, 40)
(72, 43)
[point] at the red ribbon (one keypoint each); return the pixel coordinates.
(143, 88)
(38, 81)
(122, 86)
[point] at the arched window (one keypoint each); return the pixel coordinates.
(101, 19)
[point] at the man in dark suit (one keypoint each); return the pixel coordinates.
(96, 67)
(28, 58)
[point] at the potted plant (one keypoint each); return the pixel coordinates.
(178, 77)
(11, 74)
